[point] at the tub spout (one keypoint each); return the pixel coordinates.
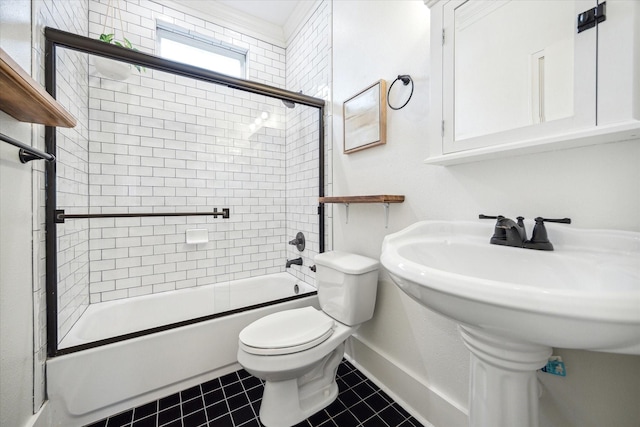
(297, 261)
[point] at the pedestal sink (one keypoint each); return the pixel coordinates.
(513, 304)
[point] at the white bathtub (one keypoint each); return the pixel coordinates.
(120, 317)
(91, 384)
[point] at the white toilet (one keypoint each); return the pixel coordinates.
(297, 352)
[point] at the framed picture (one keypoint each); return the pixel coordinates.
(365, 118)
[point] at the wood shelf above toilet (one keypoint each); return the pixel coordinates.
(382, 198)
(385, 199)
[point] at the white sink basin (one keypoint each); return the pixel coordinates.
(513, 304)
(584, 295)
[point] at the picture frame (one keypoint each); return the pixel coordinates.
(365, 118)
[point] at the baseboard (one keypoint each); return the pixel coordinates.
(426, 404)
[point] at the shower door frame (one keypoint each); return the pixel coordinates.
(56, 38)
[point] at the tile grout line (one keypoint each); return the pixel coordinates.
(204, 404)
(353, 400)
(244, 389)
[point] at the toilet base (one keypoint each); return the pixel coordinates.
(286, 403)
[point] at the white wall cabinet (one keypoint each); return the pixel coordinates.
(516, 77)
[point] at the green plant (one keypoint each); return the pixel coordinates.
(110, 38)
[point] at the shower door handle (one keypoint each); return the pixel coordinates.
(60, 216)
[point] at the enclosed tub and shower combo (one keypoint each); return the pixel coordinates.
(168, 226)
(159, 360)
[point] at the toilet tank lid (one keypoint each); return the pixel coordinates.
(347, 262)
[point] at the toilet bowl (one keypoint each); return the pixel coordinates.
(297, 352)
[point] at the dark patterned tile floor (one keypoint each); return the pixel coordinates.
(234, 401)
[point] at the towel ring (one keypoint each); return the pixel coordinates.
(406, 79)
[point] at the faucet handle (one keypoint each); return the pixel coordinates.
(482, 216)
(539, 234)
(539, 238)
(561, 220)
(298, 242)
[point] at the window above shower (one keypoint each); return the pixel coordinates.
(178, 44)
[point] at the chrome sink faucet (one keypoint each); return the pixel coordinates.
(507, 232)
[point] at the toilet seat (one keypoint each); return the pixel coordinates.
(287, 332)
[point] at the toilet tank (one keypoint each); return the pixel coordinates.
(347, 285)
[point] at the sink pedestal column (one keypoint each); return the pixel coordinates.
(504, 386)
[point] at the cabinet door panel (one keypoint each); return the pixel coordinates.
(515, 70)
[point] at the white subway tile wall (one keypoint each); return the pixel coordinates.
(72, 180)
(309, 71)
(166, 143)
(73, 297)
(183, 146)
(157, 142)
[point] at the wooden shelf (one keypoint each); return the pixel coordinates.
(24, 99)
(383, 198)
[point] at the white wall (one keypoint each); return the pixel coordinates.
(598, 187)
(22, 293)
(16, 331)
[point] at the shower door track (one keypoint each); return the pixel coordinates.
(56, 38)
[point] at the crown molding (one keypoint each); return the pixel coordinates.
(299, 17)
(228, 17)
(431, 3)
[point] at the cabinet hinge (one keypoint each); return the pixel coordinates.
(443, 37)
(589, 19)
(442, 129)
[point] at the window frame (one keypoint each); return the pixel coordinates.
(199, 41)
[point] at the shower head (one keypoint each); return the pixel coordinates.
(288, 103)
